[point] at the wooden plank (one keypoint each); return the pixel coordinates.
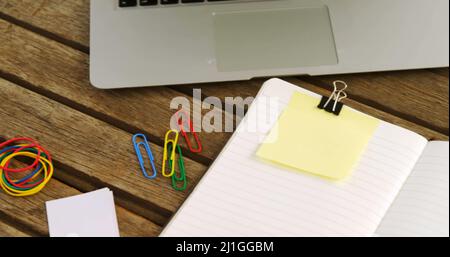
(68, 20)
(60, 72)
(432, 106)
(423, 91)
(222, 89)
(251, 88)
(419, 96)
(31, 212)
(441, 71)
(9, 231)
(93, 150)
(249, 91)
(132, 225)
(40, 19)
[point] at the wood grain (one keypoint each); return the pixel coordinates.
(11, 231)
(44, 53)
(396, 90)
(421, 92)
(60, 72)
(441, 71)
(30, 212)
(412, 95)
(238, 90)
(92, 148)
(64, 20)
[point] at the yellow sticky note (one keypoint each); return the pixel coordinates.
(312, 140)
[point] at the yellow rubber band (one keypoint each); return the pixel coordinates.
(47, 168)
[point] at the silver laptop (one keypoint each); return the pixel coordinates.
(136, 43)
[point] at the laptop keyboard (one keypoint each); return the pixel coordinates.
(133, 3)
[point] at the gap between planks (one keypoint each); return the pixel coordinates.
(130, 223)
(84, 48)
(19, 226)
(319, 83)
(16, 223)
(181, 89)
(98, 115)
(82, 183)
(135, 203)
(78, 107)
(70, 43)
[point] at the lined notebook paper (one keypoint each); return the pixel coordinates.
(242, 196)
(422, 206)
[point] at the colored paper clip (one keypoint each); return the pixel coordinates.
(137, 148)
(182, 178)
(168, 141)
(189, 124)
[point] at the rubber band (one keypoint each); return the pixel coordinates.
(29, 180)
(33, 143)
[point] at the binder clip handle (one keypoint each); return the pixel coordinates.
(337, 96)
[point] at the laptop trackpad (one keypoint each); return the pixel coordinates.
(273, 39)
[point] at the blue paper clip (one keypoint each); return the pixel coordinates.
(137, 146)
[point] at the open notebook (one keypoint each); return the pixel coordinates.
(400, 187)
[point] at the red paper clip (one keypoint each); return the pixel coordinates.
(191, 130)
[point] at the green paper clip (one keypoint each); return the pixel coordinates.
(182, 178)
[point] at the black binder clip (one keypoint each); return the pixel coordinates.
(337, 95)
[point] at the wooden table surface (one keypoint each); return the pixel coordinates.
(45, 94)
